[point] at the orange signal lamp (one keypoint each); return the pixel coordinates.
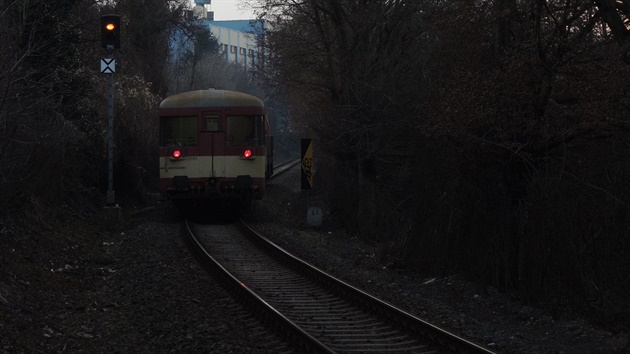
(110, 31)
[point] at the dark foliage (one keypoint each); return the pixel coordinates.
(53, 113)
(489, 139)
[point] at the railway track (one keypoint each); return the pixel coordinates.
(284, 167)
(314, 311)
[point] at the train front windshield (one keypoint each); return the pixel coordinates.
(178, 131)
(245, 130)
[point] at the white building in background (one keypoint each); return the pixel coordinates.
(200, 12)
(241, 41)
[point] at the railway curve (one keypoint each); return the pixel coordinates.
(317, 312)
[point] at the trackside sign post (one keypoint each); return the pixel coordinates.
(110, 39)
(108, 66)
(313, 214)
(307, 164)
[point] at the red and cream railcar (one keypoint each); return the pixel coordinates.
(214, 146)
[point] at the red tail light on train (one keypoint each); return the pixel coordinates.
(177, 154)
(247, 153)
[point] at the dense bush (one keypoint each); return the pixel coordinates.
(484, 138)
(53, 100)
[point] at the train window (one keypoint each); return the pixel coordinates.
(178, 131)
(211, 123)
(243, 130)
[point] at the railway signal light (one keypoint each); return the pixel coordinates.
(110, 31)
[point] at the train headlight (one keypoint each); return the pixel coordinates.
(177, 154)
(247, 153)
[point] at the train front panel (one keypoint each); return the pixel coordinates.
(213, 152)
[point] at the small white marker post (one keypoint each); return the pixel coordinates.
(314, 217)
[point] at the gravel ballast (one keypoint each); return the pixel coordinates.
(69, 285)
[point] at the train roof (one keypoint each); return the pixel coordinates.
(211, 98)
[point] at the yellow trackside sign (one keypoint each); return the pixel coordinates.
(307, 163)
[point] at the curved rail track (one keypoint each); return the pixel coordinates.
(314, 311)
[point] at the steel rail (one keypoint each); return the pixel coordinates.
(307, 321)
(404, 319)
(294, 333)
(284, 167)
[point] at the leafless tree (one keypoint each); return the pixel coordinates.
(52, 97)
(472, 116)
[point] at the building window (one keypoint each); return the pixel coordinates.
(242, 51)
(233, 49)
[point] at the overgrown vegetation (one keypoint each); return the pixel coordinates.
(488, 138)
(53, 99)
